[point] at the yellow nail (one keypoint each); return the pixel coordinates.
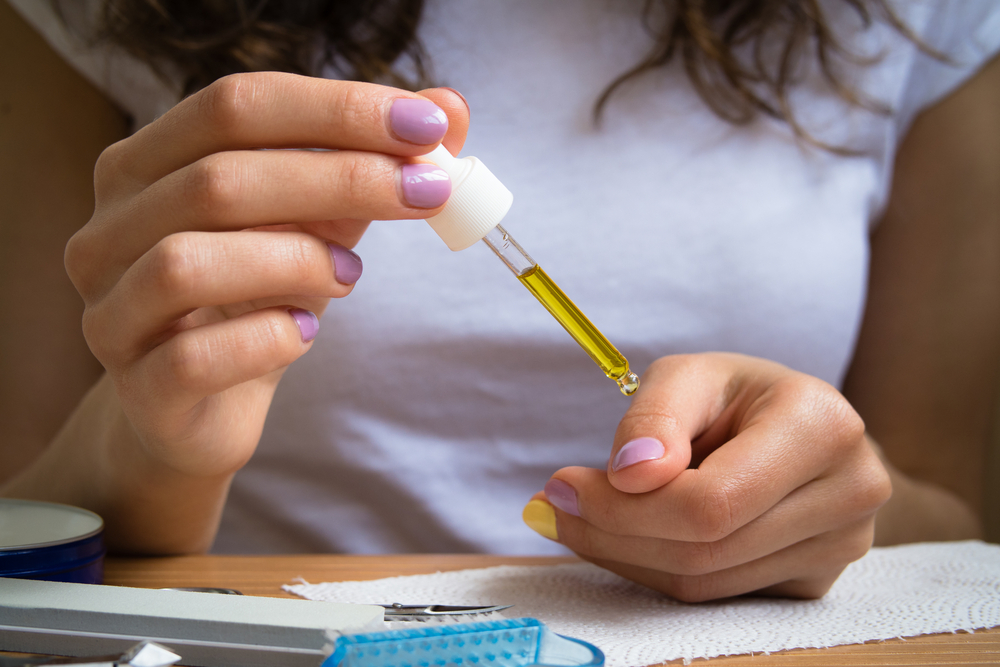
(541, 518)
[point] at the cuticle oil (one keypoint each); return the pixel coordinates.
(611, 361)
(478, 202)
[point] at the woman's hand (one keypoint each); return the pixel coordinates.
(188, 312)
(204, 269)
(728, 475)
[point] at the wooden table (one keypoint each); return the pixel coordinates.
(264, 575)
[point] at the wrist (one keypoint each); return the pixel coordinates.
(97, 462)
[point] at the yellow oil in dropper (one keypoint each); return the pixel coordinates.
(612, 362)
(478, 202)
(600, 349)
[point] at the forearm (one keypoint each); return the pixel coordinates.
(96, 461)
(920, 511)
(927, 362)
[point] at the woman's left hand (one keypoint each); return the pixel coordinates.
(728, 475)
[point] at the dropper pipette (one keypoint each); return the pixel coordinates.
(478, 203)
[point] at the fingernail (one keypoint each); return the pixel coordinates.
(562, 495)
(347, 265)
(425, 185)
(460, 95)
(418, 121)
(307, 321)
(541, 518)
(640, 449)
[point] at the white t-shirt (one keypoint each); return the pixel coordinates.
(439, 395)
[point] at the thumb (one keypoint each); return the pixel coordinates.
(457, 109)
(678, 399)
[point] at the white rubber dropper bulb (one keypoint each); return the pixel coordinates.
(478, 201)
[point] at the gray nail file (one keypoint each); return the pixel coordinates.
(206, 630)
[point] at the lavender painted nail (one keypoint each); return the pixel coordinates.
(307, 321)
(347, 265)
(636, 451)
(418, 121)
(425, 185)
(562, 495)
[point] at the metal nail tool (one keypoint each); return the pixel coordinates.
(204, 589)
(393, 612)
(421, 612)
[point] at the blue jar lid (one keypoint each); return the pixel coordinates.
(40, 540)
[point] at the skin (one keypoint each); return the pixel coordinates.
(770, 481)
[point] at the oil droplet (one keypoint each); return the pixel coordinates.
(628, 383)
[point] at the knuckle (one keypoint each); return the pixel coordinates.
(188, 362)
(676, 365)
(710, 513)
(302, 261)
(880, 490)
(297, 261)
(355, 106)
(689, 589)
(93, 327)
(269, 334)
(647, 419)
(873, 486)
(90, 326)
(109, 167)
(265, 343)
(271, 342)
(858, 546)
(227, 102)
(698, 558)
(818, 406)
(844, 421)
(845, 546)
(814, 589)
(357, 177)
(172, 265)
(80, 255)
(607, 516)
(676, 362)
(212, 186)
(650, 414)
(807, 395)
(580, 540)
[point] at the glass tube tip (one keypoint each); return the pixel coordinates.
(628, 383)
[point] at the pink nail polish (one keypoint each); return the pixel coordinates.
(347, 265)
(562, 495)
(636, 451)
(307, 321)
(425, 185)
(418, 121)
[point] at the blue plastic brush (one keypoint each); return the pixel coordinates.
(520, 642)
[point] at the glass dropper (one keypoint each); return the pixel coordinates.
(477, 204)
(612, 362)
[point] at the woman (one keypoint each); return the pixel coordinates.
(438, 396)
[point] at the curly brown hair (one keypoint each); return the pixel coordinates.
(363, 40)
(741, 55)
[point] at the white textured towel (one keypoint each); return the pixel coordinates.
(891, 592)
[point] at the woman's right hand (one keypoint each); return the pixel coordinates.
(207, 261)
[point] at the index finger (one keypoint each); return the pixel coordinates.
(279, 110)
